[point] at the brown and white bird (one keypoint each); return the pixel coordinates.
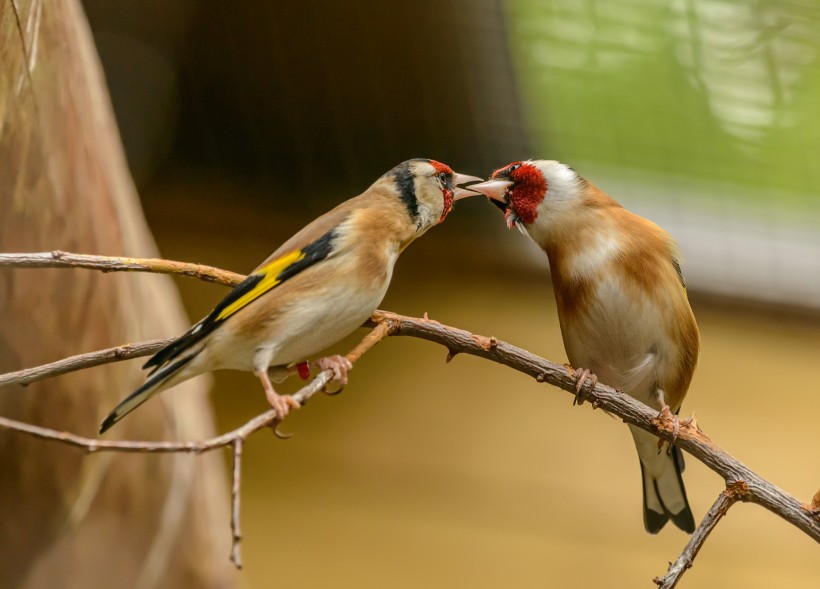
(621, 301)
(318, 287)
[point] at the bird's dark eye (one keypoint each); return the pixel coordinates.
(442, 176)
(514, 167)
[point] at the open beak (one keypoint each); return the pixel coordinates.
(493, 189)
(463, 191)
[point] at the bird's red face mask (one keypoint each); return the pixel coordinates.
(517, 189)
(444, 176)
(450, 182)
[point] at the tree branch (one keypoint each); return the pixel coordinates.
(742, 483)
(725, 500)
(80, 361)
(58, 259)
(687, 435)
(236, 532)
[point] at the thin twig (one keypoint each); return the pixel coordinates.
(91, 445)
(58, 259)
(91, 359)
(725, 500)
(236, 531)
(80, 361)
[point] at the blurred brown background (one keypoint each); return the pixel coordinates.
(242, 121)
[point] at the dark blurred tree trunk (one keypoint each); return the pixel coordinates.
(310, 97)
(104, 520)
(318, 90)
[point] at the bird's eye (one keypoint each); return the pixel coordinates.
(514, 167)
(442, 177)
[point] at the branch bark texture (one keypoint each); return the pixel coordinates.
(59, 259)
(742, 483)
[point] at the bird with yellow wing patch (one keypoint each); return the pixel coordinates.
(314, 290)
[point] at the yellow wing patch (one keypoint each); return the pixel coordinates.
(271, 274)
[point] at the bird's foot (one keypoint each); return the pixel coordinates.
(339, 365)
(582, 376)
(666, 416)
(282, 404)
(691, 422)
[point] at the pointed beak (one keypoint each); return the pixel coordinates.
(463, 192)
(493, 189)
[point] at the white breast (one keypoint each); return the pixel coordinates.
(324, 310)
(620, 337)
(314, 324)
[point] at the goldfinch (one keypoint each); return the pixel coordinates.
(318, 287)
(622, 305)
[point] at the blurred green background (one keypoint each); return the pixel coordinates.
(712, 90)
(243, 121)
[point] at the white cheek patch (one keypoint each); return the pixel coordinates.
(430, 206)
(562, 182)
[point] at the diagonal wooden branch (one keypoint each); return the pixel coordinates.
(58, 259)
(731, 495)
(80, 361)
(689, 436)
(743, 483)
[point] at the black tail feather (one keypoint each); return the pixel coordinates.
(654, 521)
(684, 520)
(143, 393)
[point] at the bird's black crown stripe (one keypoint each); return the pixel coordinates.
(315, 252)
(405, 181)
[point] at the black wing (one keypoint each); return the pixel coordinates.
(254, 286)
